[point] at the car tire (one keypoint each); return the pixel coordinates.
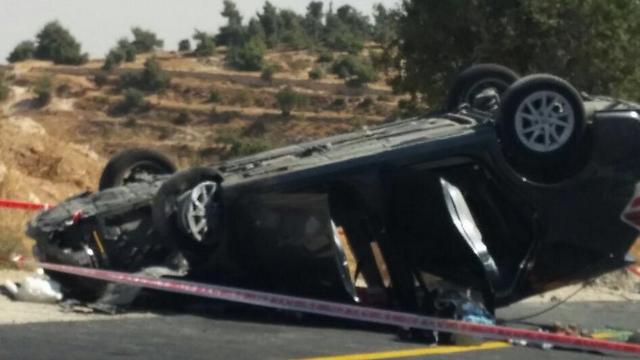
(124, 166)
(166, 212)
(542, 127)
(476, 79)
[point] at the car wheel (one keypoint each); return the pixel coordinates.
(478, 79)
(179, 210)
(134, 165)
(542, 124)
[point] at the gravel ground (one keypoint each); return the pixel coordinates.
(15, 312)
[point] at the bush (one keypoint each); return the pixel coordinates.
(239, 145)
(288, 99)
(55, 43)
(150, 78)
(248, 56)
(182, 119)
(206, 44)
(4, 90)
(23, 51)
(214, 96)
(184, 45)
(127, 49)
(316, 74)
(145, 41)
(101, 79)
(366, 103)
(133, 99)
(113, 59)
(268, 72)
(355, 71)
(325, 57)
(339, 104)
(43, 89)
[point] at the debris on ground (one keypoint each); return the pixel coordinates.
(37, 288)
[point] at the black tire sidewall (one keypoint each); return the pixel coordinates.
(475, 74)
(123, 162)
(166, 224)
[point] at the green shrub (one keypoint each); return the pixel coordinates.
(214, 96)
(4, 90)
(325, 57)
(316, 74)
(366, 103)
(248, 56)
(184, 45)
(132, 99)
(355, 71)
(23, 51)
(56, 43)
(240, 145)
(145, 41)
(150, 78)
(339, 104)
(43, 88)
(127, 49)
(101, 79)
(288, 99)
(182, 119)
(114, 58)
(268, 71)
(206, 44)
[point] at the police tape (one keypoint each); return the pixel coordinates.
(23, 205)
(351, 312)
(332, 309)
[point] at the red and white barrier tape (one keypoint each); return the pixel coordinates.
(23, 205)
(352, 312)
(338, 310)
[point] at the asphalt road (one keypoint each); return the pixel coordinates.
(247, 333)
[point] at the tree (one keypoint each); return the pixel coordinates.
(385, 24)
(270, 21)
(43, 90)
(150, 78)
(184, 45)
(56, 43)
(268, 72)
(113, 59)
(124, 51)
(355, 71)
(287, 99)
(145, 41)
(206, 45)
(128, 50)
(313, 20)
(255, 29)
(248, 56)
(342, 32)
(233, 34)
(23, 51)
(132, 99)
(587, 42)
(292, 33)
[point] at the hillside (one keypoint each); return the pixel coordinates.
(50, 152)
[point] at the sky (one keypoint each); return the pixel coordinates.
(99, 24)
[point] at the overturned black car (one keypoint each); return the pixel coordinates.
(516, 189)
